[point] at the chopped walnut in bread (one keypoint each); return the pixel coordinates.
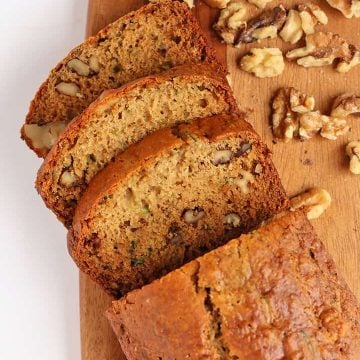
(314, 202)
(266, 62)
(349, 8)
(353, 152)
(345, 105)
(321, 49)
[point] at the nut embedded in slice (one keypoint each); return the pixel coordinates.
(43, 137)
(314, 201)
(266, 62)
(353, 152)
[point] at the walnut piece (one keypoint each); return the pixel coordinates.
(292, 30)
(220, 4)
(69, 89)
(287, 105)
(222, 157)
(231, 221)
(346, 65)
(311, 15)
(353, 152)
(265, 25)
(334, 127)
(43, 137)
(310, 124)
(192, 216)
(260, 3)
(322, 49)
(230, 22)
(235, 30)
(266, 62)
(345, 105)
(314, 201)
(243, 182)
(349, 8)
(68, 178)
(94, 64)
(79, 67)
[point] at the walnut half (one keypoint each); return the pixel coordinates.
(345, 105)
(322, 49)
(349, 8)
(266, 62)
(314, 202)
(353, 152)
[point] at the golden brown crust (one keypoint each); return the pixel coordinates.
(272, 294)
(69, 136)
(70, 105)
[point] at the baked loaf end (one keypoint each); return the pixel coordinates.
(171, 197)
(152, 39)
(122, 117)
(272, 294)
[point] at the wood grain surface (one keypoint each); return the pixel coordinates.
(317, 162)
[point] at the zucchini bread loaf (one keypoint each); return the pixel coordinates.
(171, 197)
(272, 294)
(122, 117)
(154, 38)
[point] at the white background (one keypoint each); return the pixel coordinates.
(39, 300)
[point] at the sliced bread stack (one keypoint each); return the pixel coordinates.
(148, 41)
(171, 197)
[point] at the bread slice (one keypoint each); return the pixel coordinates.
(154, 38)
(122, 117)
(272, 294)
(175, 195)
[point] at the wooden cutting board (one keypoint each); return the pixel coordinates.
(317, 162)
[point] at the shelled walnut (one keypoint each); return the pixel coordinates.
(287, 105)
(311, 15)
(267, 24)
(310, 124)
(231, 22)
(353, 152)
(314, 202)
(292, 30)
(235, 30)
(346, 65)
(322, 49)
(349, 8)
(334, 127)
(345, 105)
(266, 62)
